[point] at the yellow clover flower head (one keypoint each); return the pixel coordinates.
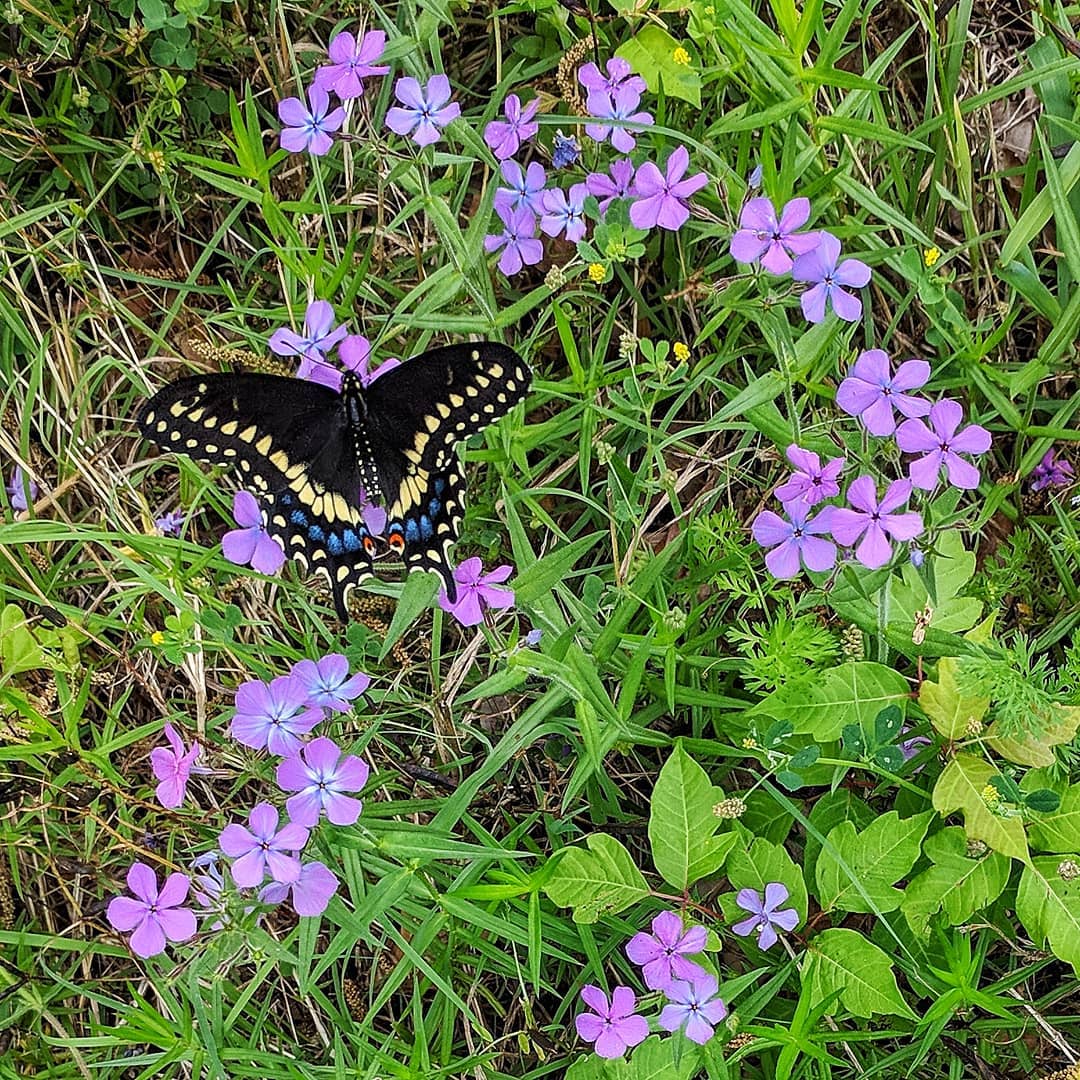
(931, 256)
(681, 351)
(597, 272)
(681, 56)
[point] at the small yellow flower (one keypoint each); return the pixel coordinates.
(597, 272)
(750, 743)
(157, 637)
(931, 256)
(991, 796)
(681, 350)
(681, 56)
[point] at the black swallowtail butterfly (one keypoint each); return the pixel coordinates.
(307, 450)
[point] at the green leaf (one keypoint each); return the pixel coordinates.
(602, 880)
(1043, 801)
(540, 578)
(856, 870)
(1049, 907)
(416, 596)
(19, 650)
(755, 866)
(949, 569)
(960, 787)
(1059, 830)
(1037, 750)
(951, 714)
(956, 884)
(682, 822)
(843, 960)
(651, 53)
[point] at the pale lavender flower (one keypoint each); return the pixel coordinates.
(941, 444)
(172, 766)
(311, 892)
(796, 540)
(263, 848)
(273, 716)
(660, 198)
(611, 1028)
(171, 523)
(526, 190)
(811, 482)
(764, 914)
(251, 543)
(427, 110)
(209, 890)
(761, 237)
(476, 591)
(565, 211)
(831, 279)
(350, 63)
(520, 246)
(620, 106)
(17, 492)
(328, 682)
(504, 137)
(694, 1007)
(320, 334)
(617, 183)
(662, 954)
(321, 776)
(565, 150)
(619, 74)
(309, 127)
(1051, 472)
(876, 522)
(156, 915)
(871, 391)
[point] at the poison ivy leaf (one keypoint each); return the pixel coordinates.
(654, 54)
(831, 809)
(682, 823)
(960, 787)
(602, 880)
(1058, 831)
(950, 568)
(1037, 750)
(949, 712)
(1049, 907)
(956, 883)
(843, 960)
(755, 866)
(856, 870)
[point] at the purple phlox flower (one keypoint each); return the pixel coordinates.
(565, 211)
(328, 682)
(910, 747)
(273, 716)
(351, 62)
(427, 111)
(917, 556)
(660, 198)
(320, 335)
(764, 914)
(532, 638)
(753, 181)
(613, 1029)
(311, 892)
(518, 240)
(1051, 472)
(617, 183)
(565, 150)
(354, 352)
(309, 127)
(662, 954)
(17, 492)
(694, 1006)
(775, 243)
(251, 543)
(506, 136)
(871, 391)
(156, 915)
(875, 521)
(172, 766)
(263, 848)
(811, 482)
(795, 540)
(477, 590)
(621, 106)
(831, 280)
(171, 523)
(941, 444)
(374, 515)
(322, 776)
(209, 890)
(619, 74)
(526, 190)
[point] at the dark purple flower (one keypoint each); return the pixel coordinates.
(171, 523)
(910, 747)
(775, 243)
(694, 1007)
(273, 716)
(662, 954)
(795, 540)
(263, 848)
(565, 150)
(660, 198)
(251, 543)
(17, 492)
(811, 482)
(941, 444)
(309, 128)
(328, 682)
(505, 137)
(764, 916)
(156, 916)
(612, 1029)
(477, 590)
(619, 74)
(1051, 472)
(565, 211)
(831, 281)
(875, 521)
(311, 892)
(427, 111)
(320, 334)
(351, 62)
(620, 106)
(518, 240)
(871, 391)
(321, 776)
(172, 766)
(526, 190)
(612, 185)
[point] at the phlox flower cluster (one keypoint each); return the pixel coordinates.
(265, 853)
(869, 522)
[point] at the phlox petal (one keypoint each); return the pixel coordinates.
(813, 301)
(846, 305)
(125, 914)
(148, 939)
(962, 474)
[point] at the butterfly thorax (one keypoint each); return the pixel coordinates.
(352, 393)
